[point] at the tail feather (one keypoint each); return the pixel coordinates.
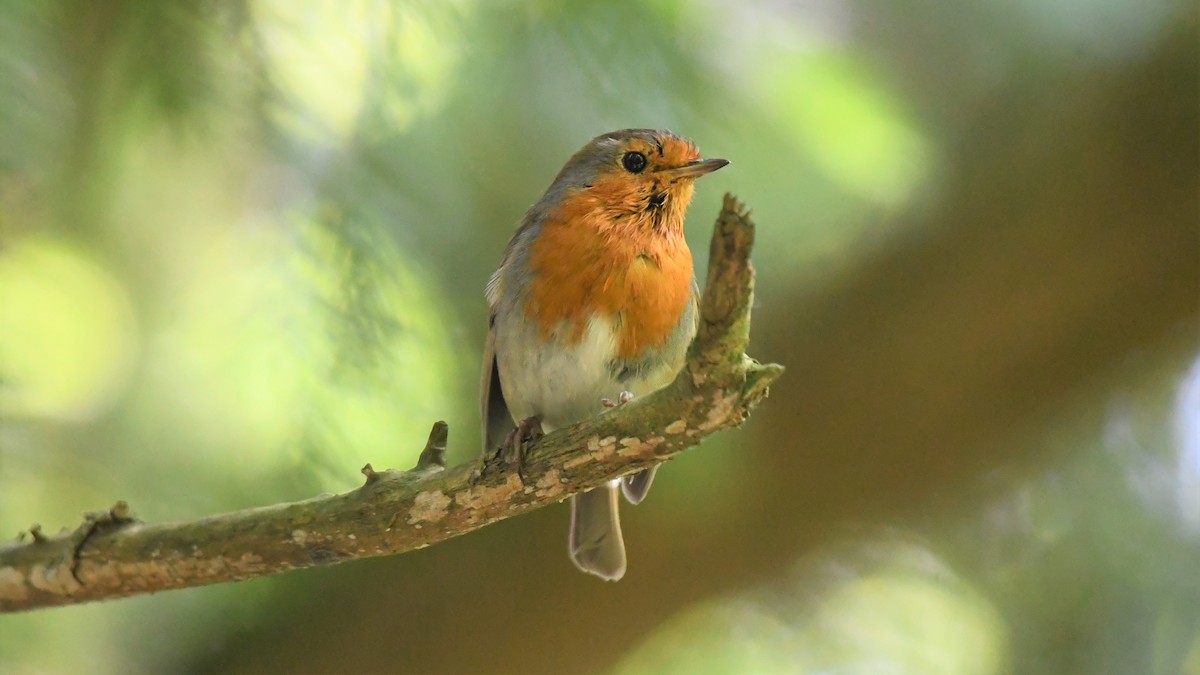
(596, 545)
(635, 486)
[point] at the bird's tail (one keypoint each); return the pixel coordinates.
(596, 545)
(636, 485)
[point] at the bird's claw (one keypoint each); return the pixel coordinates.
(622, 398)
(526, 433)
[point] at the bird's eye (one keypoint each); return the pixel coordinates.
(634, 162)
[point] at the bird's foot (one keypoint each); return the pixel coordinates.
(622, 398)
(526, 433)
(495, 462)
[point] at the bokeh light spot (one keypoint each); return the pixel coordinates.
(849, 127)
(1187, 429)
(901, 623)
(319, 55)
(890, 608)
(67, 333)
(717, 638)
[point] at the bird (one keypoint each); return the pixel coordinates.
(595, 299)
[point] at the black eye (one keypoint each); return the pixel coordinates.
(634, 162)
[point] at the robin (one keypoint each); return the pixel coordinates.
(595, 298)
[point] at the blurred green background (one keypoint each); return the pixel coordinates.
(242, 253)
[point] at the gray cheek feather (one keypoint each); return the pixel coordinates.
(579, 171)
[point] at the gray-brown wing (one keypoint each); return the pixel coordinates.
(497, 421)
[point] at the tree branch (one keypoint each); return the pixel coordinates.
(111, 555)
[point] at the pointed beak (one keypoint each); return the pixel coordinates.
(696, 169)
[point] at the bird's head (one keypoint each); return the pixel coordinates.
(637, 181)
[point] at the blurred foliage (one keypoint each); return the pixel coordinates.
(242, 247)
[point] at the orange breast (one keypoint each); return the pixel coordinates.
(586, 264)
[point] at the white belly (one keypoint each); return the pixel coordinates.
(563, 384)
